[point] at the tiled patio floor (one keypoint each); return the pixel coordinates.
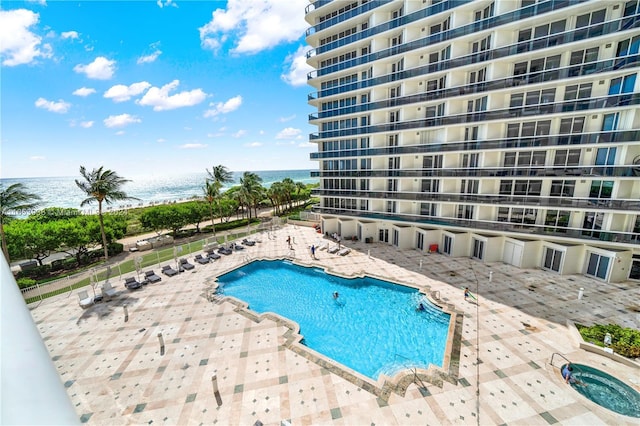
(115, 374)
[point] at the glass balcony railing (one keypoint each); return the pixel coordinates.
(527, 112)
(346, 15)
(557, 74)
(492, 199)
(487, 172)
(615, 137)
(503, 227)
(553, 40)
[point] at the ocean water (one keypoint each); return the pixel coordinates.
(63, 191)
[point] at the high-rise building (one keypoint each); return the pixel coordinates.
(501, 130)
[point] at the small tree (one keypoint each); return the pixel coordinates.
(14, 200)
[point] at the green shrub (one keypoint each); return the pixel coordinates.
(624, 341)
(115, 248)
(25, 282)
(35, 273)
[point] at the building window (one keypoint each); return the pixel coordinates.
(442, 55)
(592, 18)
(598, 266)
(601, 189)
(392, 185)
(428, 209)
(566, 157)
(469, 186)
(470, 160)
(610, 122)
(520, 187)
(578, 91)
(529, 129)
(517, 215)
(478, 76)
(485, 13)
(465, 211)
(558, 220)
(394, 92)
(471, 133)
(434, 111)
(430, 185)
(562, 188)
(552, 259)
(542, 31)
(592, 224)
(481, 45)
(438, 28)
(622, 85)
(437, 84)
(394, 116)
(630, 46)
(432, 162)
(391, 206)
(477, 105)
(392, 140)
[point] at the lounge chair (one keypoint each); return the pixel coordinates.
(345, 251)
(213, 256)
(225, 251)
(334, 249)
(236, 247)
(132, 284)
(184, 264)
(202, 260)
(84, 300)
(108, 291)
(169, 271)
(248, 243)
(152, 277)
(323, 246)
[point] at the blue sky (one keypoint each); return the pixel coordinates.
(153, 87)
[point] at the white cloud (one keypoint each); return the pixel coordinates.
(40, 2)
(18, 45)
(69, 34)
(224, 107)
(84, 91)
(160, 99)
(239, 134)
(253, 144)
(86, 124)
(152, 56)
(296, 75)
(166, 3)
(256, 25)
(121, 93)
(161, 140)
(100, 69)
(37, 158)
(193, 146)
(307, 145)
(120, 132)
(288, 133)
(285, 119)
(60, 107)
(121, 120)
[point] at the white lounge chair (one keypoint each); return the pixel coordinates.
(84, 300)
(334, 249)
(345, 251)
(322, 246)
(108, 291)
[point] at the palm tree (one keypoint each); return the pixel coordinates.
(288, 186)
(211, 193)
(251, 186)
(14, 199)
(102, 185)
(216, 178)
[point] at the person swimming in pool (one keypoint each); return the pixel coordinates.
(420, 307)
(335, 295)
(567, 375)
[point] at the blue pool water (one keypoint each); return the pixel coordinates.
(373, 327)
(606, 390)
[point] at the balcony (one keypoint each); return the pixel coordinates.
(491, 226)
(600, 204)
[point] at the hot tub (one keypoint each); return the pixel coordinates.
(605, 390)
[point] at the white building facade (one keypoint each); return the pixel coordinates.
(501, 130)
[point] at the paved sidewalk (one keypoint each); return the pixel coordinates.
(115, 374)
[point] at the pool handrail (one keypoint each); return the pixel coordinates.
(566, 359)
(416, 378)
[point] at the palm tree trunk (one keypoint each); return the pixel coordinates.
(5, 250)
(213, 223)
(104, 236)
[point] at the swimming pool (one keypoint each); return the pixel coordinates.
(373, 326)
(606, 390)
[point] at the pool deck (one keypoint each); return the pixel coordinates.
(115, 374)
